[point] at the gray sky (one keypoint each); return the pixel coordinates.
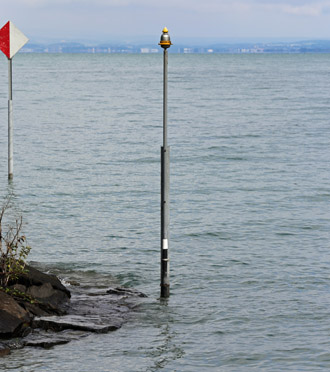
(111, 19)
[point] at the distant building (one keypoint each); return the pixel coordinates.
(148, 50)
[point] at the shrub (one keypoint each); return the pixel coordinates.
(13, 248)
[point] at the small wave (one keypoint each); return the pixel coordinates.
(217, 234)
(238, 262)
(285, 234)
(235, 158)
(115, 236)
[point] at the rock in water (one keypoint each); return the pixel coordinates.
(46, 294)
(119, 291)
(79, 323)
(50, 294)
(34, 277)
(37, 311)
(12, 316)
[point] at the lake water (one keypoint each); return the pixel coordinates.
(250, 204)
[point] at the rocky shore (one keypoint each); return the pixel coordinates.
(38, 310)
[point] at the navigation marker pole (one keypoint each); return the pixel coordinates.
(165, 43)
(11, 41)
(10, 120)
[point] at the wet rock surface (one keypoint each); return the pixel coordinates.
(125, 292)
(4, 350)
(13, 317)
(48, 295)
(34, 277)
(74, 322)
(41, 312)
(48, 339)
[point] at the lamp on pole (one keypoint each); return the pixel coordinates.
(165, 43)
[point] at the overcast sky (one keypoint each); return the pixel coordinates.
(110, 19)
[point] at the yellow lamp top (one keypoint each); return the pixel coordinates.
(165, 41)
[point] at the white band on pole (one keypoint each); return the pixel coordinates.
(165, 243)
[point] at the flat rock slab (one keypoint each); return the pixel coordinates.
(46, 342)
(47, 339)
(80, 323)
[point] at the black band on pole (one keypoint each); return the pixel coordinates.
(165, 221)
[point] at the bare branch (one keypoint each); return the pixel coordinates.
(17, 230)
(3, 210)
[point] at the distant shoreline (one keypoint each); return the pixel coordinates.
(201, 53)
(298, 47)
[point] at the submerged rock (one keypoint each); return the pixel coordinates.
(47, 342)
(79, 323)
(119, 291)
(48, 339)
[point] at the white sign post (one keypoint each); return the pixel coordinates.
(11, 41)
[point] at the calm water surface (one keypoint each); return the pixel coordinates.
(250, 204)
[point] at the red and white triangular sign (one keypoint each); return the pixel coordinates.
(11, 39)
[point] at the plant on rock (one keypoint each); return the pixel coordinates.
(13, 249)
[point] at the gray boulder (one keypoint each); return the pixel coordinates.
(47, 294)
(34, 277)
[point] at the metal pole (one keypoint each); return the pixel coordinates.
(165, 69)
(165, 191)
(10, 121)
